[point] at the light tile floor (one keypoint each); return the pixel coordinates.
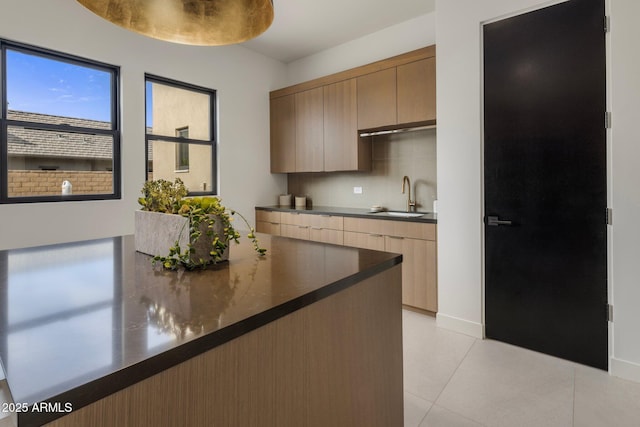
(453, 380)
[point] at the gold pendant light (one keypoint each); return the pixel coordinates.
(194, 22)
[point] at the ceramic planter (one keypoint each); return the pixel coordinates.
(156, 232)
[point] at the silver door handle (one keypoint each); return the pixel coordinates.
(493, 220)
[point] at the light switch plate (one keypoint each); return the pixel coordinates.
(357, 190)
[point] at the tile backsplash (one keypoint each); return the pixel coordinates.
(394, 155)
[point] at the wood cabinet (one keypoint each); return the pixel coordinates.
(309, 124)
(372, 241)
(317, 130)
(315, 124)
(416, 83)
(416, 241)
(319, 228)
(283, 134)
(418, 270)
(344, 150)
(417, 244)
(402, 95)
(377, 99)
(268, 222)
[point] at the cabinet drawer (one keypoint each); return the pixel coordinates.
(414, 230)
(364, 240)
(295, 231)
(326, 235)
(268, 227)
(294, 218)
(268, 216)
(326, 221)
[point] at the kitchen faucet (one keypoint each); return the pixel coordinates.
(410, 203)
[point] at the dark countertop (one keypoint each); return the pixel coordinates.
(428, 217)
(83, 320)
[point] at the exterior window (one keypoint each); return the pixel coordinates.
(180, 130)
(59, 127)
(182, 151)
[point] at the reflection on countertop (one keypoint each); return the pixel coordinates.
(83, 320)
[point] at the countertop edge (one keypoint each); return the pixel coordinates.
(429, 218)
(102, 387)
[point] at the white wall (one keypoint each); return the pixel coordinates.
(243, 116)
(391, 41)
(460, 259)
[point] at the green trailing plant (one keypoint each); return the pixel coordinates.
(170, 197)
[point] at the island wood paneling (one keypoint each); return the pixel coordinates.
(336, 362)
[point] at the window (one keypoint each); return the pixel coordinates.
(59, 127)
(180, 129)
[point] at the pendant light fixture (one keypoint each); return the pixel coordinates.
(194, 22)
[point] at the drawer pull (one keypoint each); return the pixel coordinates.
(326, 216)
(303, 226)
(396, 237)
(316, 228)
(275, 223)
(375, 235)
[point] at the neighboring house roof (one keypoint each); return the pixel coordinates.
(24, 141)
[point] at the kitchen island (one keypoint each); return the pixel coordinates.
(311, 334)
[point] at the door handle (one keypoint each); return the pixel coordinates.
(494, 221)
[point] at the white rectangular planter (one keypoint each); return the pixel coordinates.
(156, 232)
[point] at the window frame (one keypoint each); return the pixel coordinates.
(180, 155)
(114, 132)
(212, 142)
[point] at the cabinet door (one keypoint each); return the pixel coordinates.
(326, 235)
(344, 150)
(417, 91)
(419, 288)
(309, 106)
(364, 240)
(397, 245)
(295, 231)
(283, 134)
(268, 227)
(377, 99)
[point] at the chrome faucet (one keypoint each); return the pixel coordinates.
(410, 203)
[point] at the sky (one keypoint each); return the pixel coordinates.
(41, 85)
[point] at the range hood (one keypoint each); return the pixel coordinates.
(410, 127)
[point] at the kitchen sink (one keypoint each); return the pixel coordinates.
(405, 214)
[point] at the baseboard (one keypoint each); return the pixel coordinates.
(463, 326)
(624, 369)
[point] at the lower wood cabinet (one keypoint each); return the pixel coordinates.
(268, 222)
(416, 241)
(364, 240)
(326, 235)
(419, 287)
(319, 228)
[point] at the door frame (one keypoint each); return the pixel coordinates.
(608, 164)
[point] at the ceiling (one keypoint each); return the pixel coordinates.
(304, 27)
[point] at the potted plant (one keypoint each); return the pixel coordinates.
(192, 231)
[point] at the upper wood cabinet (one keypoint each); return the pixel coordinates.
(377, 97)
(416, 83)
(400, 95)
(344, 150)
(314, 125)
(283, 134)
(309, 140)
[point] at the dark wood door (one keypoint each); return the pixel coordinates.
(545, 181)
